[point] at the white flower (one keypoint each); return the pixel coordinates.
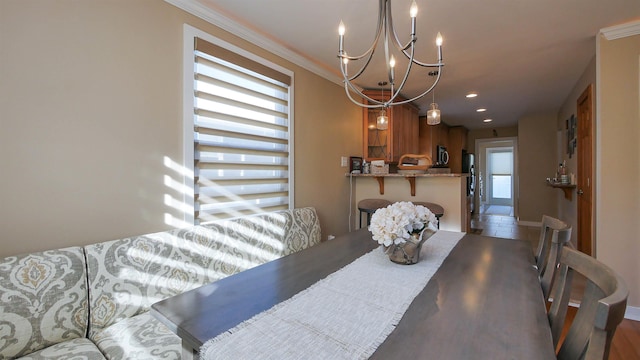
(395, 223)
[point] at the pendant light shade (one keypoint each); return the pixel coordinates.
(382, 123)
(433, 115)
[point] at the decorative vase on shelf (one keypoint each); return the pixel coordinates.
(408, 253)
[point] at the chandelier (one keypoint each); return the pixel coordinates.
(387, 33)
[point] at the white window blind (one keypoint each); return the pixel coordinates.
(241, 135)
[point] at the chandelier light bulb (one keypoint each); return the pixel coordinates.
(392, 62)
(413, 12)
(341, 28)
(439, 39)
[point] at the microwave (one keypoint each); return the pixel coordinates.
(442, 155)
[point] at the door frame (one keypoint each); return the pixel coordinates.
(480, 149)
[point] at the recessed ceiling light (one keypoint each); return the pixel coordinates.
(472, 95)
(487, 120)
(481, 110)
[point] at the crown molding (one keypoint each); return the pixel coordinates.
(196, 8)
(620, 31)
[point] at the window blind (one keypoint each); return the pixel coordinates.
(241, 135)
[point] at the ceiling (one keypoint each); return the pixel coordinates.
(522, 57)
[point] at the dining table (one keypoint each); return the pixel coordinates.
(483, 302)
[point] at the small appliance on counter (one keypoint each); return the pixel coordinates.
(442, 156)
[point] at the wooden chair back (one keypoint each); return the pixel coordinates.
(559, 238)
(602, 307)
(544, 243)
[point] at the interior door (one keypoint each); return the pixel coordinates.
(585, 171)
(500, 176)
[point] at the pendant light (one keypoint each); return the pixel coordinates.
(433, 114)
(382, 122)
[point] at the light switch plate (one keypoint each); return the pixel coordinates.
(344, 162)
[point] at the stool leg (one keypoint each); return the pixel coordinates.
(360, 220)
(368, 218)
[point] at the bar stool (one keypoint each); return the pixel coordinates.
(369, 206)
(436, 209)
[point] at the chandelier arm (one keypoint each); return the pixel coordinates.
(406, 76)
(346, 77)
(378, 104)
(348, 85)
(370, 52)
(423, 94)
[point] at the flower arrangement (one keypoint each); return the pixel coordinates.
(396, 223)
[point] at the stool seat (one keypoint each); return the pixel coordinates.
(436, 209)
(369, 206)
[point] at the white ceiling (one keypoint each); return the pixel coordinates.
(521, 56)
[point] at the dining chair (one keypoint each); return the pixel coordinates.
(547, 271)
(549, 224)
(601, 310)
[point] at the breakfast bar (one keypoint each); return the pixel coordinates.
(447, 190)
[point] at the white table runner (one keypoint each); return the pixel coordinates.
(346, 315)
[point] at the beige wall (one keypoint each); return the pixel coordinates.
(488, 133)
(91, 108)
(618, 159)
(568, 210)
(536, 162)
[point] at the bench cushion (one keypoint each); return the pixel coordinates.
(141, 337)
(80, 348)
(43, 300)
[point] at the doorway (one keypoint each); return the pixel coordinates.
(497, 176)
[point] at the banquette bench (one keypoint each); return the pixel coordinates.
(93, 302)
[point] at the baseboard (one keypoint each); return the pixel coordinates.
(632, 313)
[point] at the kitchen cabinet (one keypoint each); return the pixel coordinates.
(454, 138)
(401, 137)
(430, 137)
(457, 143)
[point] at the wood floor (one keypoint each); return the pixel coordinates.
(626, 341)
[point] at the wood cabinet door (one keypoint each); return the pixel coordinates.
(457, 143)
(400, 138)
(376, 143)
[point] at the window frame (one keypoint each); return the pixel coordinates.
(189, 35)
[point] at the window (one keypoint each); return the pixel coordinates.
(241, 130)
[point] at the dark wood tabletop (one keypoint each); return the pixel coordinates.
(485, 301)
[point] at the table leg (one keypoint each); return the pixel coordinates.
(189, 353)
